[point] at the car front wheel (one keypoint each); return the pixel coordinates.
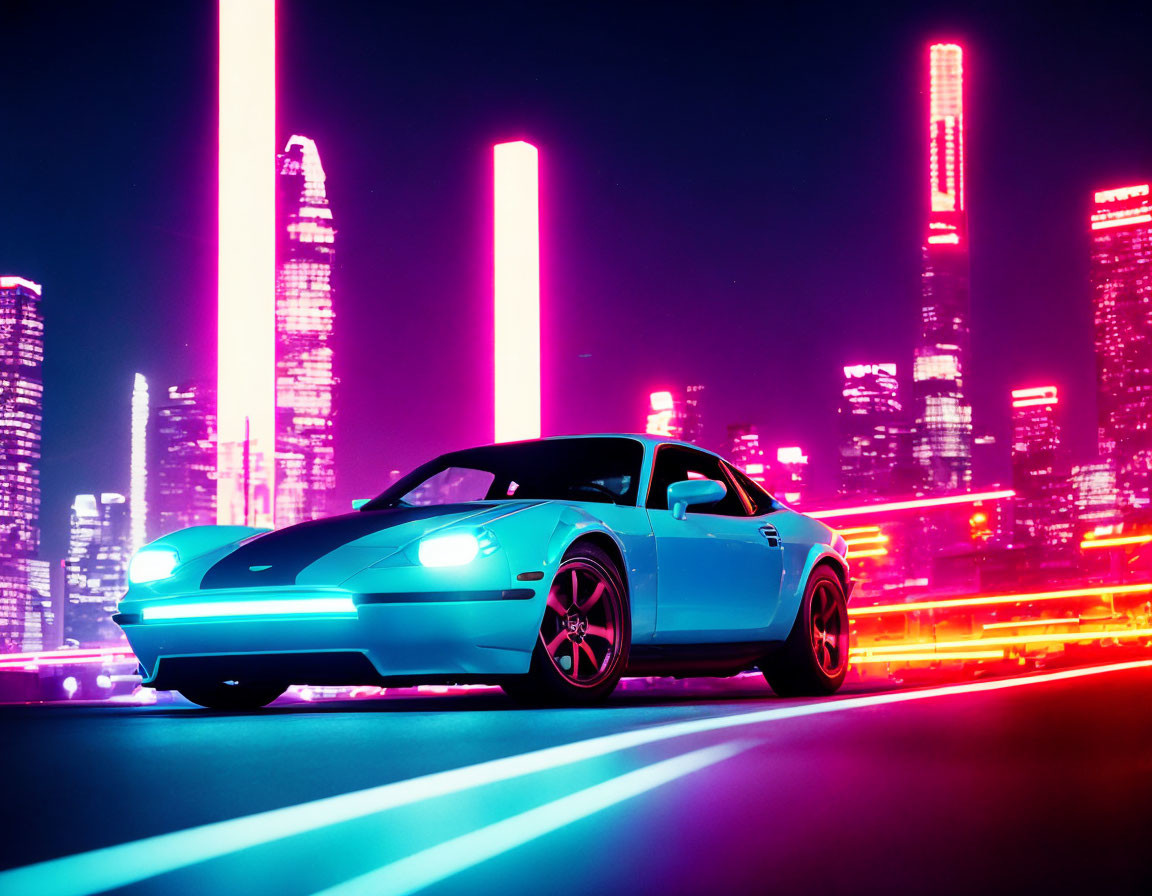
(582, 647)
(814, 659)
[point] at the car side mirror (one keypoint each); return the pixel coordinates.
(359, 502)
(684, 494)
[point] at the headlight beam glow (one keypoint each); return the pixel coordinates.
(227, 608)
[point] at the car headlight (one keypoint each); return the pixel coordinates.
(454, 548)
(152, 565)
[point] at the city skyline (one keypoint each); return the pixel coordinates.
(759, 406)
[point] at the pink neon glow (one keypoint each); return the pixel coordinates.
(246, 360)
(1040, 395)
(516, 265)
(661, 401)
(914, 504)
(945, 238)
(1119, 219)
(8, 282)
(1121, 193)
(946, 127)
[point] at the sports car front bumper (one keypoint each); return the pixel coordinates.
(388, 637)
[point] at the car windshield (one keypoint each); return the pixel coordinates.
(604, 470)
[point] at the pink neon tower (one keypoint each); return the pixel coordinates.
(246, 335)
(943, 446)
(516, 270)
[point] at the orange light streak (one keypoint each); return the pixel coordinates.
(992, 599)
(1089, 543)
(870, 552)
(870, 530)
(868, 539)
(1022, 623)
(914, 504)
(930, 657)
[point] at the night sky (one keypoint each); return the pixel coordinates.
(732, 194)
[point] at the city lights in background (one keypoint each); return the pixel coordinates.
(246, 338)
(946, 127)
(138, 479)
(913, 504)
(516, 273)
(987, 600)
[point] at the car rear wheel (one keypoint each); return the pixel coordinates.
(814, 659)
(582, 647)
(232, 695)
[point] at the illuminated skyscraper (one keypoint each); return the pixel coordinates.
(1121, 276)
(40, 615)
(1040, 474)
(21, 414)
(1094, 493)
(743, 449)
(95, 570)
(790, 475)
(943, 413)
(182, 460)
(138, 476)
(305, 468)
(870, 412)
(675, 414)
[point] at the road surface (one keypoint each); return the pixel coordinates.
(1036, 784)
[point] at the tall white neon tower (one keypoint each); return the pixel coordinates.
(246, 339)
(138, 480)
(516, 268)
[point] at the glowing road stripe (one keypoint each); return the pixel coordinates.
(1091, 543)
(992, 599)
(1025, 623)
(303, 606)
(914, 504)
(437, 863)
(928, 657)
(1121, 634)
(128, 863)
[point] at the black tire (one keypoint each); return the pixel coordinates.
(576, 630)
(814, 659)
(218, 695)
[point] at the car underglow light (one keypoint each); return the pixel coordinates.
(913, 504)
(138, 478)
(928, 657)
(216, 609)
(983, 600)
(110, 867)
(1009, 640)
(516, 271)
(246, 334)
(1090, 543)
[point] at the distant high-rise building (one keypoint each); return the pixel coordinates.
(138, 473)
(942, 409)
(1094, 494)
(1040, 474)
(743, 449)
(676, 414)
(305, 460)
(40, 613)
(790, 475)
(1121, 275)
(870, 413)
(99, 546)
(21, 416)
(182, 460)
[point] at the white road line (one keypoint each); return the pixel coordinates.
(429, 866)
(127, 863)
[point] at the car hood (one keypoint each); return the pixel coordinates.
(277, 557)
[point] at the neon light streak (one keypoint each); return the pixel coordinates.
(289, 607)
(929, 657)
(131, 862)
(1122, 221)
(516, 267)
(1009, 641)
(993, 599)
(110, 867)
(870, 552)
(914, 504)
(246, 349)
(437, 863)
(1030, 623)
(859, 530)
(867, 539)
(1121, 193)
(138, 479)
(1090, 543)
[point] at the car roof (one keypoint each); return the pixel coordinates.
(643, 438)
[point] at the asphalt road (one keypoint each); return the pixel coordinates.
(1044, 785)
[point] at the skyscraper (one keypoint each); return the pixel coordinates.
(99, 545)
(182, 460)
(138, 475)
(869, 441)
(790, 475)
(1121, 275)
(743, 449)
(943, 414)
(675, 414)
(21, 415)
(1040, 473)
(305, 467)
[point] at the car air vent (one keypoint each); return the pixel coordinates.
(770, 533)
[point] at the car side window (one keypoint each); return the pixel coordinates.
(675, 463)
(759, 499)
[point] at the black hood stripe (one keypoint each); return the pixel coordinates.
(284, 553)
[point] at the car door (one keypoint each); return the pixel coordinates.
(719, 569)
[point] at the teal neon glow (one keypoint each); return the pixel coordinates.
(93, 872)
(437, 863)
(454, 549)
(294, 607)
(152, 565)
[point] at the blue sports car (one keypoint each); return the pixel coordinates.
(550, 567)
